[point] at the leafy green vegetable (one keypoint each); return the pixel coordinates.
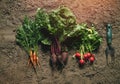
(58, 24)
(57, 29)
(62, 22)
(42, 22)
(89, 38)
(28, 35)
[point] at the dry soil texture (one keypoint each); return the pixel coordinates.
(13, 60)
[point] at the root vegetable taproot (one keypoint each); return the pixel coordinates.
(81, 62)
(88, 55)
(91, 59)
(64, 57)
(54, 58)
(34, 59)
(85, 56)
(77, 55)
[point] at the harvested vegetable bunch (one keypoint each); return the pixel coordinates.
(58, 30)
(88, 42)
(28, 37)
(30, 34)
(61, 23)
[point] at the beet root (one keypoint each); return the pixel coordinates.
(64, 57)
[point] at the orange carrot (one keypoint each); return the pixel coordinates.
(30, 58)
(33, 59)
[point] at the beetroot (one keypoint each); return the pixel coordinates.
(64, 56)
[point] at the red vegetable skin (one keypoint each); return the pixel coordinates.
(54, 58)
(82, 62)
(88, 55)
(85, 56)
(77, 55)
(92, 55)
(64, 56)
(92, 59)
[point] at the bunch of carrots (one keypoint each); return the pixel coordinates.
(33, 59)
(28, 38)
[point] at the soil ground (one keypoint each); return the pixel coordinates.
(13, 60)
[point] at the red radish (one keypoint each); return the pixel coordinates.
(77, 55)
(92, 55)
(88, 55)
(92, 59)
(85, 56)
(82, 62)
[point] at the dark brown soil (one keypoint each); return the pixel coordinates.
(13, 60)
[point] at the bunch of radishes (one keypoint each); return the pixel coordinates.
(88, 42)
(84, 58)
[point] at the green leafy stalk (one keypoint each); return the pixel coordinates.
(90, 38)
(58, 24)
(28, 35)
